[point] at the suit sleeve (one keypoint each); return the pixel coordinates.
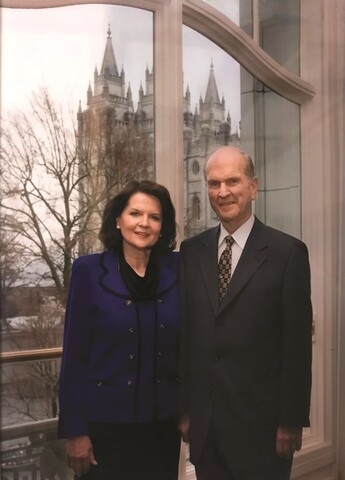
(295, 383)
(74, 364)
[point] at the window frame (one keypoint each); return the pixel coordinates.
(319, 450)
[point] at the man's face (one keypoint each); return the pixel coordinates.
(230, 190)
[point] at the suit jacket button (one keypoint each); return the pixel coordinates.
(162, 325)
(99, 384)
(160, 300)
(131, 330)
(128, 303)
(129, 383)
(131, 356)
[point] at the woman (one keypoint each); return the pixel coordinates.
(118, 373)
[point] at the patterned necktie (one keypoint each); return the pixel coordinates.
(224, 268)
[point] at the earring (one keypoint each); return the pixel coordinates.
(118, 227)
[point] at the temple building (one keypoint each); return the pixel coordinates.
(206, 126)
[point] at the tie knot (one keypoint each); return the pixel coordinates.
(229, 241)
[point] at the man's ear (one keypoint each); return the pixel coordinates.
(255, 187)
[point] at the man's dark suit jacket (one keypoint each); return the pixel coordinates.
(245, 364)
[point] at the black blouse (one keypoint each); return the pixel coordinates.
(140, 288)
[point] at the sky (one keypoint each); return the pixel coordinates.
(59, 48)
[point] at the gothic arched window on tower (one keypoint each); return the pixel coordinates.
(195, 207)
(195, 167)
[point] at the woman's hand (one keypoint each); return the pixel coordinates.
(79, 452)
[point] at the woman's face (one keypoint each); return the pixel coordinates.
(140, 222)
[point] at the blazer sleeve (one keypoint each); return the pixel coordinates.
(74, 364)
(295, 385)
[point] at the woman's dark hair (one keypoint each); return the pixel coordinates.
(111, 237)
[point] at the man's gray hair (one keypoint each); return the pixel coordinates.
(249, 168)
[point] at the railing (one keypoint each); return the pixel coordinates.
(26, 429)
(32, 448)
(30, 355)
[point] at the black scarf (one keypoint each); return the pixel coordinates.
(140, 288)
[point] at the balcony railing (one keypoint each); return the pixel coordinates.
(30, 355)
(31, 450)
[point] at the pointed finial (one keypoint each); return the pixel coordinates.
(109, 31)
(211, 63)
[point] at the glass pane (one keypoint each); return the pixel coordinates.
(40, 326)
(33, 454)
(29, 445)
(246, 16)
(225, 105)
(77, 122)
(212, 114)
(230, 8)
(280, 31)
(29, 391)
(270, 132)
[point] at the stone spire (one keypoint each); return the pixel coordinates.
(212, 90)
(109, 68)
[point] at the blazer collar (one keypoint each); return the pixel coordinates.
(111, 280)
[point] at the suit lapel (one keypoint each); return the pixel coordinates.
(208, 261)
(253, 256)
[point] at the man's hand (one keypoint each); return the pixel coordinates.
(289, 441)
(183, 426)
(79, 454)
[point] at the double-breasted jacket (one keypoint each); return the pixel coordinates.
(119, 362)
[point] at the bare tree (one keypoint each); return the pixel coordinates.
(11, 264)
(57, 176)
(32, 388)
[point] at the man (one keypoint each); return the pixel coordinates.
(245, 353)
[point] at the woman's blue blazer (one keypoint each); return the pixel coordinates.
(119, 362)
